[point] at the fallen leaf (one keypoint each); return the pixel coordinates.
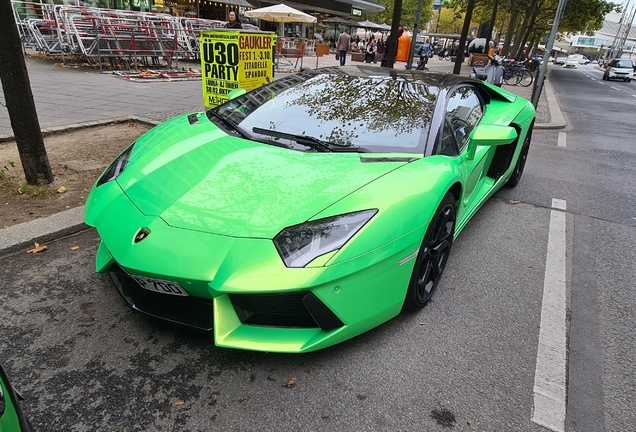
(61, 190)
(510, 201)
(176, 404)
(290, 383)
(74, 247)
(37, 248)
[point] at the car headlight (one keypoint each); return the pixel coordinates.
(299, 245)
(117, 167)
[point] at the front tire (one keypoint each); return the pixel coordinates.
(432, 256)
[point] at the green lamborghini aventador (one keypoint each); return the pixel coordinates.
(310, 210)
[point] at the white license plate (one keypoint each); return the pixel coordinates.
(160, 286)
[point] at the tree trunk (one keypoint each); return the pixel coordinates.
(512, 24)
(528, 25)
(393, 39)
(463, 37)
(19, 99)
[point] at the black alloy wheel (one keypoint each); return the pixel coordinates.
(433, 255)
(515, 178)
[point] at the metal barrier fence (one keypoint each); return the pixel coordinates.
(110, 35)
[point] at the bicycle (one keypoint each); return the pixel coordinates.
(517, 73)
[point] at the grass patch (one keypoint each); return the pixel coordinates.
(10, 180)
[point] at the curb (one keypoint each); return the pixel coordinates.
(21, 236)
(88, 124)
(557, 121)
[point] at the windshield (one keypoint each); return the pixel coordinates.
(377, 113)
(622, 64)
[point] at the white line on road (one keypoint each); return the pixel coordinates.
(561, 139)
(614, 88)
(593, 79)
(549, 376)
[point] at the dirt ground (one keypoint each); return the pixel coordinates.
(77, 158)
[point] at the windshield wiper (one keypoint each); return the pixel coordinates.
(229, 124)
(307, 140)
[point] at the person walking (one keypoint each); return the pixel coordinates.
(233, 23)
(344, 43)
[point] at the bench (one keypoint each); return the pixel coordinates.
(359, 57)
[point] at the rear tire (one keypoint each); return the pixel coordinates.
(515, 178)
(432, 256)
(525, 78)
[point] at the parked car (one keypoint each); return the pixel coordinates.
(559, 61)
(309, 210)
(580, 58)
(571, 62)
(12, 418)
(619, 69)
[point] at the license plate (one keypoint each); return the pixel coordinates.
(160, 286)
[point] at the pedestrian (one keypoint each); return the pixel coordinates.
(371, 49)
(425, 51)
(233, 23)
(344, 44)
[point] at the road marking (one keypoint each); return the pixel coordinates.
(549, 376)
(614, 88)
(561, 139)
(593, 79)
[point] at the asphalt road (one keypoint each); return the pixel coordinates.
(595, 173)
(85, 362)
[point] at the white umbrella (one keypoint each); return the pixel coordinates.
(281, 14)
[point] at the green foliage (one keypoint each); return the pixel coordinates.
(409, 8)
(580, 16)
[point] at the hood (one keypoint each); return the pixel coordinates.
(197, 177)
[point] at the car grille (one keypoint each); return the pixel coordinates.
(297, 309)
(193, 312)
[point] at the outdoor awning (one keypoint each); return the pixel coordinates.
(243, 3)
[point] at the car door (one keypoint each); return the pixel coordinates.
(464, 111)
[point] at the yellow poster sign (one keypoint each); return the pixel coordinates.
(232, 59)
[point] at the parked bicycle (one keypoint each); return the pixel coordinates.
(517, 73)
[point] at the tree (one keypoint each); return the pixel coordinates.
(20, 104)
(407, 17)
(529, 20)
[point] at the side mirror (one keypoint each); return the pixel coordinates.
(236, 93)
(490, 135)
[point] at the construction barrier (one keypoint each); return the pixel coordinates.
(109, 35)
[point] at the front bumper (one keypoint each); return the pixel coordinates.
(620, 74)
(240, 289)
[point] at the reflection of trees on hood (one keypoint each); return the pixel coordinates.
(376, 103)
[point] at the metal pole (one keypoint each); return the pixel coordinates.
(538, 83)
(409, 64)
